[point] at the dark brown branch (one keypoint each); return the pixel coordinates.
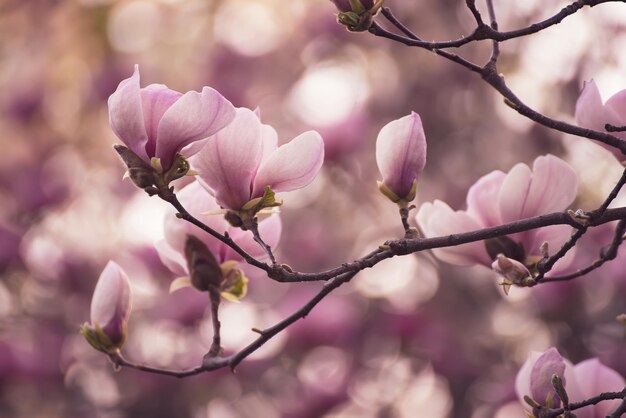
(216, 345)
(485, 32)
(119, 361)
(408, 246)
(546, 264)
(605, 396)
(471, 5)
(612, 128)
(378, 30)
(253, 226)
(614, 192)
(490, 74)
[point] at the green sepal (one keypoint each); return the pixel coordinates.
(235, 286)
(359, 19)
(268, 200)
(97, 338)
(403, 202)
(179, 169)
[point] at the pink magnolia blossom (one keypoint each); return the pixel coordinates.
(592, 113)
(401, 156)
(582, 381)
(241, 160)
(198, 201)
(155, 121)
(498, 198)
(110, 307)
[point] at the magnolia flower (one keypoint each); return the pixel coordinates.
(401, 157)
(582, 381)
(499, 198)
(110, 310)
(592, 113)
(240, 161)
(156, 122)
(177, 232)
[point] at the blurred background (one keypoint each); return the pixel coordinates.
(412, 337)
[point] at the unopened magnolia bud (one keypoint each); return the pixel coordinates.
(110, 310)
(204, 270)
(512, 271)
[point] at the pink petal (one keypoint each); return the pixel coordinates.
(270, 140)
(401, 153)
(548, 364)
(438, 219)
(592, 114)
(155, 100)
(193, 117)
(595, 378)
(482, 198)
(590, 111)
(126, 115)
(292, 166)
(617, 103)
(513, 193)
(171, 258)
(111, 302)
(229, 161)
(553, 187)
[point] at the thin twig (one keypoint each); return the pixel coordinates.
(607, 254)
(216, 345)
(471, 5)
(605, 396)
(253, 226)
(485, 32)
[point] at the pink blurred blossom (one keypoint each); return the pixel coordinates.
(498, 198)
(401, 156)
(241, 160)
(155, 121)
(592, 113)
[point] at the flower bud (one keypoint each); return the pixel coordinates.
(512, 271)
(401, 157)
(204, 270)
(110, 310)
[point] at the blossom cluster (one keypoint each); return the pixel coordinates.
(238, 166)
